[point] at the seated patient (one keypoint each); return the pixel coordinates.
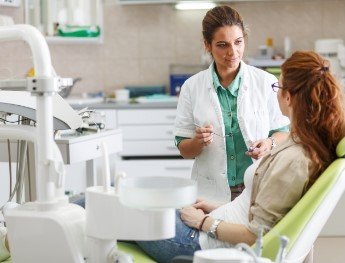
(312, 99)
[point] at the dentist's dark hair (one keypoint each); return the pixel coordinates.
(318, 114)
(220, 16)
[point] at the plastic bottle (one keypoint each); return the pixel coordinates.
(270, 49)
(287, 47)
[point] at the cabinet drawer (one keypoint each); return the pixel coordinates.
(150, 148)
(148, 132)
(89, 146)
(141, 168)
(146, 116)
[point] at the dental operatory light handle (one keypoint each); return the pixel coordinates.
(106, 172)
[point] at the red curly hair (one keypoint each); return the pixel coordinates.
(317, 107)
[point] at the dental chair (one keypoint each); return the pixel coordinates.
(304, 222)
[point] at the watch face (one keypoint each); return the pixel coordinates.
(211, 234)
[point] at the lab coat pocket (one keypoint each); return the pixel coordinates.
(206, 187)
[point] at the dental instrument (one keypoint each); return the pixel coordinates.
(223, 136)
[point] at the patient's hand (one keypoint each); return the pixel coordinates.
(259, 148)
(206, 206)
(191, 216)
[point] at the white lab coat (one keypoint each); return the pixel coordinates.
(257, 112)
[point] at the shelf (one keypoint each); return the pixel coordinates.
(264, 63)
(74, 40)
(47, 15)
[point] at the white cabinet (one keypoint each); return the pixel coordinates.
(147, 132)
(110, 119)
(148, 144)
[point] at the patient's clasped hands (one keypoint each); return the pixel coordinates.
(193, 215)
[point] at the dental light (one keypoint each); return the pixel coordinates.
(24, 104)
(194, 5)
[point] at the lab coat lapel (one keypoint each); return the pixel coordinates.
(214, 100)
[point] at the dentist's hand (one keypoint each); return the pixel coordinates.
(260, 148)
(204, 135)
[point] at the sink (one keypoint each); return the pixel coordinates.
(157, 192)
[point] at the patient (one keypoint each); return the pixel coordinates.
(312, 99)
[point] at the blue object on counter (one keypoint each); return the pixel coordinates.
(158, 97)
(176, 82)
(138, 91)
(99, 94)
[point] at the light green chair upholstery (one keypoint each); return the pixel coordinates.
(135, 251)
(305, 221)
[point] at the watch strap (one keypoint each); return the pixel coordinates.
(274, 143)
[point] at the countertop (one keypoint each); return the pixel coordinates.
(126, 105)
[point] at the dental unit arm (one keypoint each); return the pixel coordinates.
(52, 230)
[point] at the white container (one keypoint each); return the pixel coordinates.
(122, 95)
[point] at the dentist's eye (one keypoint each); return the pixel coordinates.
(222, 45)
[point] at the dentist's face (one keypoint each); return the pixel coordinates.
(227, 47)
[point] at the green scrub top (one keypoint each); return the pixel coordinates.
(237, 161)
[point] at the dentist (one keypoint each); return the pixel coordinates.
(227, 115)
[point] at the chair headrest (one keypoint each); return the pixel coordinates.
(341, 148)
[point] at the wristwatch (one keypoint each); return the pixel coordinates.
(212, 232)
(274, 144)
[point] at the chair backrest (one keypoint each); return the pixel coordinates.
(305, 220)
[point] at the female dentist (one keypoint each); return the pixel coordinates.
(227, 113)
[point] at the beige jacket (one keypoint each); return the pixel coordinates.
(279, 183)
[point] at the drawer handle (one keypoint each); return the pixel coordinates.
(170, 117)
(177, 168)
(171, 148)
